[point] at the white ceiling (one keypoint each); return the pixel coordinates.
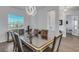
(73, 8)
(19, 7)
(69, 8)
(23, 7)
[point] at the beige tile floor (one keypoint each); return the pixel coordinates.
(68, 44)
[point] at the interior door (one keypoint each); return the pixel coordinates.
(51, 23)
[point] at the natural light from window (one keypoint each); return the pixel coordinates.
(15, 21)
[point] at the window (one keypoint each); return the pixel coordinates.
(15, 21)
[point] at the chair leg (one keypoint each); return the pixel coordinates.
(13, 49)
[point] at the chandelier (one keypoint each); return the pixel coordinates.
(31, 10)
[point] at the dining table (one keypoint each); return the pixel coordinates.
(37, 44)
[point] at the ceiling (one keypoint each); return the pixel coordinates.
(69, 8)
(23, 7)
(19, 7)
(72, 8)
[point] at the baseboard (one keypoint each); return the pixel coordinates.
(7, 41)
(10, 40)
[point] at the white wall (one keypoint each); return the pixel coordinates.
(40, 20)
(69, 25)
(62, 17)
(4, 11)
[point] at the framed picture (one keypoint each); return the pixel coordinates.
(60, 22)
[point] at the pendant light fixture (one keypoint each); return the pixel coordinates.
(31, 10)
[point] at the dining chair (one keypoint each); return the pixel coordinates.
(18, 44)
(14, 44)
(36, 32)
(55, 45)
(21, 31)
(44, 34)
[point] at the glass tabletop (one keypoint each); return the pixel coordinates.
(35, 41)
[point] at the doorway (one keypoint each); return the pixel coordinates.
(72, 25)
